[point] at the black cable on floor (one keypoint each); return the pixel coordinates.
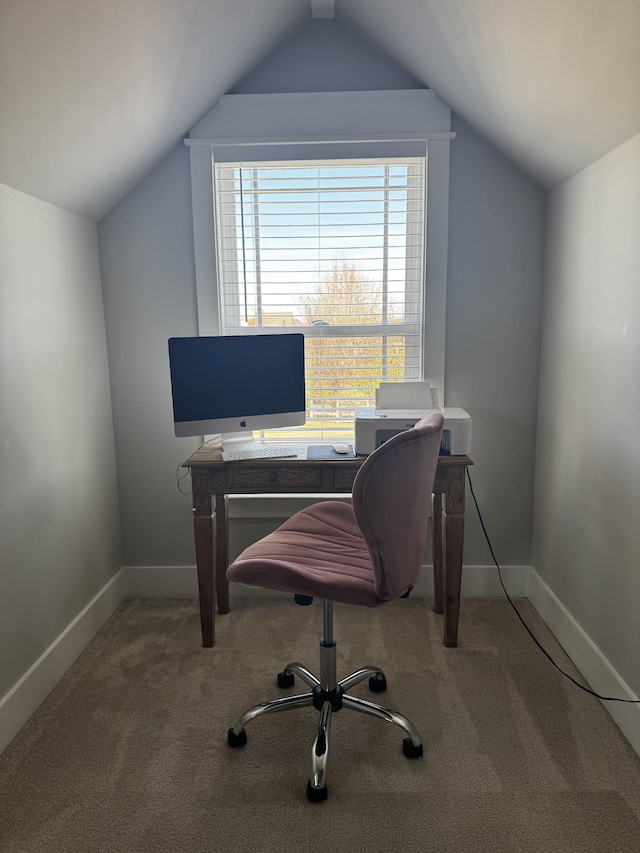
(526, 627)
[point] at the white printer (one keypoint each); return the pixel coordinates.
(374, 425)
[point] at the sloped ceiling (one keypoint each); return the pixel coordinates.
(94, 92)
(554, 83)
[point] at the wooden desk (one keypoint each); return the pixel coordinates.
(214, 480)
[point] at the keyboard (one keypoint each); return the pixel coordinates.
(281, 451)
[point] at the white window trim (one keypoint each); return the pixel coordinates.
(314, 121)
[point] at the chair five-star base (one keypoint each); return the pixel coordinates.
(328, 696)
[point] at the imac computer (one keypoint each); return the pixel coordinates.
(235, 384)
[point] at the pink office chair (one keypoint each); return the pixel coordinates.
(367, 553)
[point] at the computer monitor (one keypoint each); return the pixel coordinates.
(235, 384)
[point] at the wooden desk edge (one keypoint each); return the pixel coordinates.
(210, 455)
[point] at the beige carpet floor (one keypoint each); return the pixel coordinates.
(129, 752)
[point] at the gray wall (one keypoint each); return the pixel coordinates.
(497, 220)
(325, 56)
(587, 495)
(146, 254)
(58, 505)
(493, 324)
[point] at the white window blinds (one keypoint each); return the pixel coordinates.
(333, 249)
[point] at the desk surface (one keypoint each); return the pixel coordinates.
(210, 455)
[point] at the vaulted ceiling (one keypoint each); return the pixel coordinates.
(93, 93)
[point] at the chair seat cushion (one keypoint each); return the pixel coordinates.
(319, 552)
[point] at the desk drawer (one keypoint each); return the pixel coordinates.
(264, 479)
(343, 478)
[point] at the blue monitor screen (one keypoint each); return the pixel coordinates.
(237, 382)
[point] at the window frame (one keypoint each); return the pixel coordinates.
(287, 126)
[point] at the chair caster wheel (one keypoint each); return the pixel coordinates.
(236, 740)
(410, 750)
(377, 684)
(316, 795)
(285, 679)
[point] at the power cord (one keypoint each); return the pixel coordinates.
(179, 479)
(187, 473)
(526, 627)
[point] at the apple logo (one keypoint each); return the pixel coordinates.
(243, 423)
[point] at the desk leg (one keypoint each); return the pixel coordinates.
(437, 545)
(222, 553)
(454, 539)
(203, 530)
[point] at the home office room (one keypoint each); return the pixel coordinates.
(440, 199)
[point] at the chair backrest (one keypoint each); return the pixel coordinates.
(391, 502)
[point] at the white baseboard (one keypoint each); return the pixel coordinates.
(594, 666)
(35, 685)
(182, 582)
(162, 581)
(483, 581)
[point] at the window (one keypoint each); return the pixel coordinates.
(313, 211)
(332, 248)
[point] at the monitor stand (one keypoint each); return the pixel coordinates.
(240, 441)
